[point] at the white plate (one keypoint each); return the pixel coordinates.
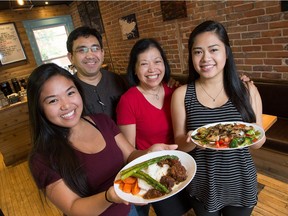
(256, 127)
(186, 160)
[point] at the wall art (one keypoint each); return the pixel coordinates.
(129, 27)
(90, 15)
(173, 10)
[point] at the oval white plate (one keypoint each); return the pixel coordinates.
(186, 160)
(256, 127)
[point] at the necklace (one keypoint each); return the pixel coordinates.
(214, 99)
(155, 95)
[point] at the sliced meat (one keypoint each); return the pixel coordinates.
(152, 193)
(167, 181)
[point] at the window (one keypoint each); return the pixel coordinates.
(48, 39)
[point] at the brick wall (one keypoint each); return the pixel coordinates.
(258, 32)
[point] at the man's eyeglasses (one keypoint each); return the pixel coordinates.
(84, 50)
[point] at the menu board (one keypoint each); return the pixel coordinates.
(10, 46)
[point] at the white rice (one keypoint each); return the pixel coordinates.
(155, 172)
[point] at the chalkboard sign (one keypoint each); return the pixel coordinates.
(11, 49)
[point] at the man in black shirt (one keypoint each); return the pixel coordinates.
(102, 88)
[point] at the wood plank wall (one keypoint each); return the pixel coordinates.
(15, 141)
(24, 68)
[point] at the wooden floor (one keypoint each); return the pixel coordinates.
(20, 197)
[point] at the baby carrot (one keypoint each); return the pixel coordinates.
(127, 188)
(118, 181)
(130, 180)
(135, 189)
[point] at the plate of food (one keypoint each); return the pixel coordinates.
(228, 135)
(155, 176)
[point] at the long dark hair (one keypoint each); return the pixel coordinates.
(50, 140)
(139, 47)
(234, 87)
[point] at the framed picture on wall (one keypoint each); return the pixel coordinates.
(11, 49)
(90, 15)
(129, 27)
(173, 10)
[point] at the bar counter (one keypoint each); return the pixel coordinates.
(15, 139)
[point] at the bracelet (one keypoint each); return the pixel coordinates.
(107, 197)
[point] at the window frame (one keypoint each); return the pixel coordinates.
(29, 25)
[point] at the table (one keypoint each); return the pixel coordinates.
(268, 121)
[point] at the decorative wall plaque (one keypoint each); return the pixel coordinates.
(129, 27)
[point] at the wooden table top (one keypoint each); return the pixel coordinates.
(268, 121)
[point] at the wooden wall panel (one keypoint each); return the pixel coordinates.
(15, 138)
(24, 68)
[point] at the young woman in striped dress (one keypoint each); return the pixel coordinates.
(225, 182)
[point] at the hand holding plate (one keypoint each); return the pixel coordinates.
(162, 146)
(190, 140)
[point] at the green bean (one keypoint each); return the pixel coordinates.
(155, 184)
(133, 169)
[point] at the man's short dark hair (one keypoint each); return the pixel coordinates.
(84, 31)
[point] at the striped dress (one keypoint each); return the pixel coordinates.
(223, 178)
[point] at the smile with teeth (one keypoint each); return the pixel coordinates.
(91, 63)
(207, 66)
(152, 76)
(68, 114)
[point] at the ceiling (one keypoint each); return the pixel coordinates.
(5, 5)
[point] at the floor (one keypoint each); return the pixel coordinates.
(20, 197)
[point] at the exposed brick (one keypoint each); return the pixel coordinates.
(251, 35)
(285, 32)
(274, 9)
(279, 54)
(243, 42)
(270, 33)
(282, 69)
(272, 47)
(249, 61)
(281, 40)
(269, 18)
(244, 7)
(254, 13)
(258, 32)
(244, 67)
(280, 24)
(251, 48)
(265, 4)
(271, 75)
(262, 68)
(239, 61)
(272, 61)
(255, 55)
(262, 26)
(262, 41)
